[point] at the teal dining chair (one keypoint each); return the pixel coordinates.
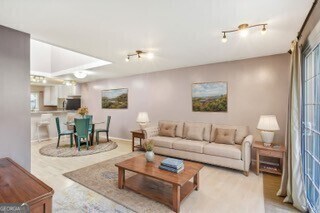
(90, 127)
(66, 132)
(82, 127)
(90, 117)
(106, 130)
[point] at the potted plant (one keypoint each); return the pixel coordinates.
(83, 111)
(148, 146)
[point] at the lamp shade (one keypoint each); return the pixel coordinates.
(268, 123)
(143, 117)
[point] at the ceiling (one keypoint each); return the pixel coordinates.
(180, 33)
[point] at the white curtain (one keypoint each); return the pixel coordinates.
(292, 186)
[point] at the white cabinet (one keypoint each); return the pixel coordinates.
(50, 96)
(65, 91)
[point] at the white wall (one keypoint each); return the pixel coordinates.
(15, 96)
(63, 59)
(256, 86)
(40, 54)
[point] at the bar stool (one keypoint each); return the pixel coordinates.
(45, 121)
(70, 118)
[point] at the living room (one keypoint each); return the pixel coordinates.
(223, 94)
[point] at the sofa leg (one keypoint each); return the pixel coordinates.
(246, 173)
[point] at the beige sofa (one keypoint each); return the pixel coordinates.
(235, 156)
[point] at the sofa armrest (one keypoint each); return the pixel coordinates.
(246, 152)
(151, 131)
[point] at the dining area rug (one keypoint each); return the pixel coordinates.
(215, 182)
(64, 150)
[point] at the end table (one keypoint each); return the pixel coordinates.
(137, 134)
(274, 151)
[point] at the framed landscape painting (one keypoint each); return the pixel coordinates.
(115, 99)
(210, 97)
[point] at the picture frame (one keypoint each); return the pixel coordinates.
(210, 96)
(114, 98)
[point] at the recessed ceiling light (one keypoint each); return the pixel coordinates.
(80, 74)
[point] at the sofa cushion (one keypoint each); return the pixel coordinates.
(167, 129)
(192, 125)
(241, 133)
(189, 145)
(163, 141)
(225, 136)
(179, 129)
(223, 150)
(195, 133)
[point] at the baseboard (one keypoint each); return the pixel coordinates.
(127, 140)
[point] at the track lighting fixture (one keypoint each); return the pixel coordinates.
(139, 54)
(38, 79)
(244, 30)
(69, 83)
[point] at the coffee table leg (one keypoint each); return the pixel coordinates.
(196, 181)
(132, 143)
(176, 198)
(121, 178)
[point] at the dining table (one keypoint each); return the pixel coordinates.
(93, 124)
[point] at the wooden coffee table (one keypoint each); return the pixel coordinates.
(163, 186)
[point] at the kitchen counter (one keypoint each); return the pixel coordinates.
(51, 131)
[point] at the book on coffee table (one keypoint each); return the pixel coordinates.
(170, 169)
(173, 163)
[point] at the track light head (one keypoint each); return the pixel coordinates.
(264, 30)
(150, 55)
(224, 38)
(243, 28)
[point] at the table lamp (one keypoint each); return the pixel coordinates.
(143, 120)
(267, 124)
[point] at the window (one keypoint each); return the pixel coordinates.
(34, 100)
(311, 127)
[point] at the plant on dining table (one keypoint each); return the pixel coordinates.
(83, 111)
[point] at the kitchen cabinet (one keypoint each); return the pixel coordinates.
(64, 91)
(50, 96)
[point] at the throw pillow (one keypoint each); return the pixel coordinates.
(195, 133)
(168, 130)
(179, 129)
(225, 136)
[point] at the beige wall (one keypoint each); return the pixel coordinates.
(256, 86)
(15, 96)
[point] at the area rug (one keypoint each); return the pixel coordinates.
(221, 189)
(64, 150)
(79, 199)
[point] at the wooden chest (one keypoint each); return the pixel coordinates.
(17, 185)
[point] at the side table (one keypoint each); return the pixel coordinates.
(274, 151)
(137, 134)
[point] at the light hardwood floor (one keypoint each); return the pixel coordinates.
(51, 170)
